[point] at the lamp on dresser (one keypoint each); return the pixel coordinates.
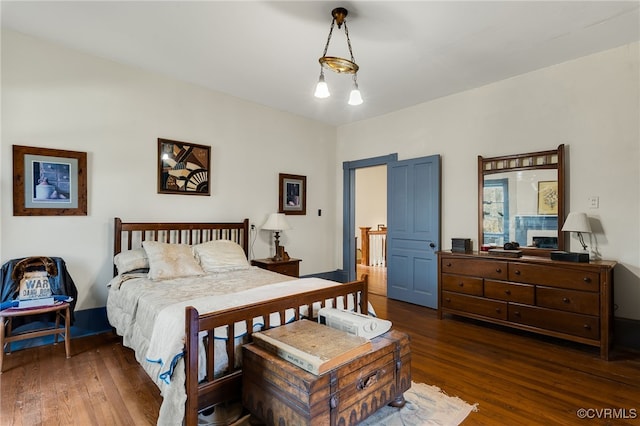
(578, 222)
(277, 223)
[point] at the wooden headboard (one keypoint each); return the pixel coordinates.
(130, 235)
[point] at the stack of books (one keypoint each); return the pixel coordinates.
(313, 347)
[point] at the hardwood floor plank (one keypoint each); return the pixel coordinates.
(517, 378)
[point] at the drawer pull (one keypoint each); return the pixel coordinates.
(566, 300)
(498, 270)
(498, 310)
(368, 381)
(449, 264)
(586, 279)
(517, 272)
(587, 327)
(516, 313)
(447, 299)
(507, 292)
(461, 284)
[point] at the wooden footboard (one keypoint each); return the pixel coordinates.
(227, 386)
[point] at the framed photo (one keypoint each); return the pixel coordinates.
(293, 194)
(548, 197)
(49, 182)
(183, 168)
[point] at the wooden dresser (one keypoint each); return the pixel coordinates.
(573, 301)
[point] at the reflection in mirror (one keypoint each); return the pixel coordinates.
(521, 206)
(521, 200)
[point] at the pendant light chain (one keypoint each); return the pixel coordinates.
(346, 32)
(326, 47)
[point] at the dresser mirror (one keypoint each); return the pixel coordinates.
(521, 199)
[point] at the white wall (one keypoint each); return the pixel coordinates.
(590, 104)
(54, 97)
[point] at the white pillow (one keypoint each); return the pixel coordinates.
(130, 260)
(218, 254)
(170, 260)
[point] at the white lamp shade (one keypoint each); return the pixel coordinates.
(355, 98)
(322, 90)
(577, 222)
(276, 222)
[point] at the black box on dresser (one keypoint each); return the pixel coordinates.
(461, 245)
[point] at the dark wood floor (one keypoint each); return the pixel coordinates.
(516, 378)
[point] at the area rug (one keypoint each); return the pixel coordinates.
(426, 405)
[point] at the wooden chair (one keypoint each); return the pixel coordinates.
(62, 312)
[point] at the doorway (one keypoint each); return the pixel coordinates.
(371, 225)
(413, 232)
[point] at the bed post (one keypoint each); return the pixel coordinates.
(191, 366)
(117, 240)
(364, 296)
(245, 238)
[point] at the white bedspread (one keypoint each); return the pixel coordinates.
(149, 315)
(167, 340)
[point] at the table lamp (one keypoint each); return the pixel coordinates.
(276, 222)
(577, 222)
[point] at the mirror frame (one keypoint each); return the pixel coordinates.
(552, 159)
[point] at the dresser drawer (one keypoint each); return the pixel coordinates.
(554, 276)
(510, 292)
(475, 305)
(290, 269)
(568, 300)
(549, 319)
(474, 267)
(462, 284)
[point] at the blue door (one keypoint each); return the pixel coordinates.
(413, 230)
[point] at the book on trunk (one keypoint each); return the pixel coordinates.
(313, 347)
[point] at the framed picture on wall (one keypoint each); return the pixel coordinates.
(49, 182)
(293, 194)
(183, 168)
(548, 197)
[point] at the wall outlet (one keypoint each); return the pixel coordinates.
(253, 227)
(594, 202)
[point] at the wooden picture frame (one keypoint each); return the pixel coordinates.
(183, 168)
(292, 194)
(49, 182)
(548, 197)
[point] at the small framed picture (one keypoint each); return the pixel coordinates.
(183, 168)
(49, 182)
(293, 194)
(548, 197)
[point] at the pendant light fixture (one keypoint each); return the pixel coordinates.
(336, 64)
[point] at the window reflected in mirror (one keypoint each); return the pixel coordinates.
(521, 199)
(521, 206)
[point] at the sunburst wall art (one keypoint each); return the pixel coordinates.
(183, 168)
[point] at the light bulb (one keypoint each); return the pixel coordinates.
(322, 90)
(355, 98)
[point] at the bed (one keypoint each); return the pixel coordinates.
(186, 325)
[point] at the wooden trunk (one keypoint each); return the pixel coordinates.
(280, 393)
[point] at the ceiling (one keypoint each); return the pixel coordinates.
(267, 51)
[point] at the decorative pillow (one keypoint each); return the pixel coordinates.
(130, 260)
(170, 260)
(218, 254)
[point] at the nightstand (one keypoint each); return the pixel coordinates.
(289, 267)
